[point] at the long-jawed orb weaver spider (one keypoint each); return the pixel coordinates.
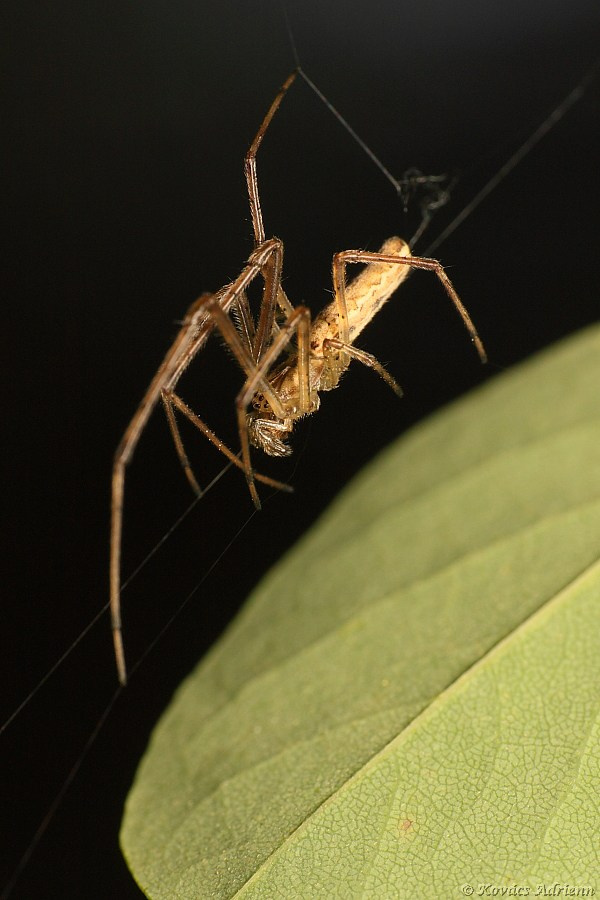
(275, 393)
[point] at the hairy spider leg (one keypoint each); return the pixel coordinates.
(208, 312)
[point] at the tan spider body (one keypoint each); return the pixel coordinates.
(275, 394)
(364, 297)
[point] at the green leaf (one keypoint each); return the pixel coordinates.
(408, 703)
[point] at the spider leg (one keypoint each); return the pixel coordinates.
(272, 277)
(414, 262)
(168, 403)
(250, 163)
(338, 277)
(174, 400)
(366, 359)
(206, 313)
(243, 318)
(210, 311)
(267, 313)
(433, 265)
(191, 336)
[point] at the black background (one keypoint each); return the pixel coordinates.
(125, 130)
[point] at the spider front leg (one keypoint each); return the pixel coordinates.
(206, 313)
(191, 337)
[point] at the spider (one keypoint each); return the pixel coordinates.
(275, 393)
